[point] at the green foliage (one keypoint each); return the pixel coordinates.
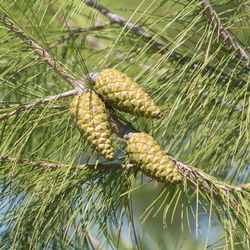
(199, 84)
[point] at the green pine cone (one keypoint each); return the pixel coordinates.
(118, 90)
(144, 151)
(89, 114)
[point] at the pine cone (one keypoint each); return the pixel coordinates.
(118, 90)
(144, 151)
(89, 114)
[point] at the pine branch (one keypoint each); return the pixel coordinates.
(75, 31)
(79, 85)
(56, 194)
(39, 102)
(44, 164)
(237, 107)
(224, 35)
(8, 106)
(115, 18)
(75, 83)
(194, 176)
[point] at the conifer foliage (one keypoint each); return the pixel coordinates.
(91, 159)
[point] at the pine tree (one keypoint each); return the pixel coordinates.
(190, 57)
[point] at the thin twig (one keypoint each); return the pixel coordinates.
(26, 66)
(194, 176)
(44, 164)
(39, 102)
(214, 19)
(71, 24)
(114, 18)
(211, 186)
(76, 31)
(206, 183)
(75, 83)
(13, 106)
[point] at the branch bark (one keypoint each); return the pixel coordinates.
(214, 19)
(4, 106)
(39, 102)
(75, 83)
(44, 164)
(194, 176)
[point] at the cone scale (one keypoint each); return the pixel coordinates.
(145, 153)
(89, 114)
(120, 92)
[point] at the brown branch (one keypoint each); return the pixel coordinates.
(194, 176)
(39, 102)
(44, 164)
(214, 19)
(71, 24)
(76, 31)
(140, 32)
(114, 18)
(8, 106)
(214, 188)
(75, 83)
